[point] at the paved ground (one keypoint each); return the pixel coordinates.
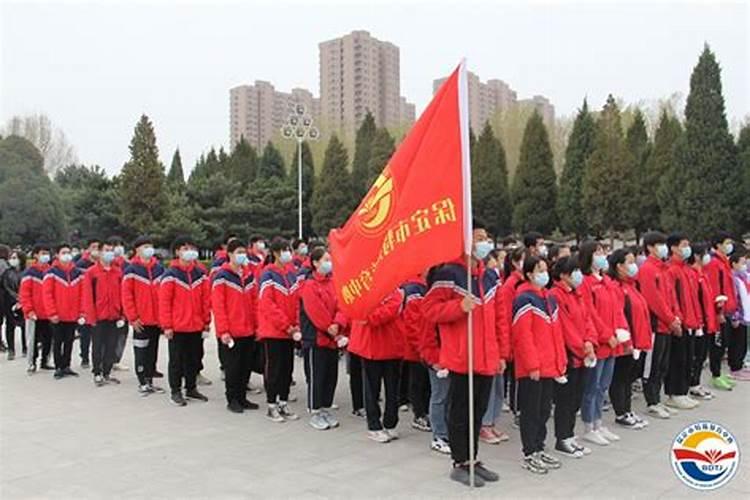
(69, 439)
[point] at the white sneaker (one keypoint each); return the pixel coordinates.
(677, 402)
(608, 435)
(658, 411)
(584, 449)
(440, 446)
(392, 433)
(672, 411)
(379, 436)
(694, 403)
(596, 438)
(639, 419)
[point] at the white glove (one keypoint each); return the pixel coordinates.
(561, 379)
(636, 354)
(699, 332)
(205, 334)
(721, 298)
(622, 335)
(81, 321)
(231, 343)
(120, 323)
(589, 362)
(442, 373)
(297, 336)
(342, 341)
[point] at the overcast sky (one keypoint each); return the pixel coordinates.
(95, 67)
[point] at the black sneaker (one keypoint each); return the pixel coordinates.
(460, 474)
(486, 474)
(58, 374)
(532, 464)
(627, 421)
(249, 405)
(548, 460)
(177, 399)
(195, 394)
(111, 380)
(158, 374)
(156, 388)
(69, 373)
(421, 424)
(235, 407)
(567, 448)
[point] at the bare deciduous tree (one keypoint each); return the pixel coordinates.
(50, 140)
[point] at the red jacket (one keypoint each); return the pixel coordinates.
(62, 286)
(575, 321)
(537, 335)
(380, 336)
(101, 294)
(686, 292)
(719, 273)
(278, 304)
(442, 305)
(321, 307)
(636, 314)
(233, 302)
(30, 293)
(504, 313)
(184, 297)
(413, 321)
(606, 313)
(706, 302)
(140, 291)
(656, 287)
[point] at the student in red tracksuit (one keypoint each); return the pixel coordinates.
(278, 328)
(140, 304)
(580, 341)
(62, 287)
(630, 354)
(300, 250)
(413, 325)
(233, 295)
(540, 361)
(88, 258)
(324, 326)
(709, 323)
(257, 253)
(719, 273)
(102, 307)
(378, 340)
(448, 302)
(677, 382)
(184, 297)
(655, 285)
(608, 318)
(31, 296)
(513, 276)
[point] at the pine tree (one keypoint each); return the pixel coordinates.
(242, 166)
(644, 207)
(176, 177)
(489, 183)
(608, 192)
(143, 198)
(362, 153)
(271, 163)
(383, 147)
(743, 148)
(534, 191)
(706, 165)
(308, 184)
(570, 198)
(660, 177)
(332, 202)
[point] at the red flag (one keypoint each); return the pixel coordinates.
(417, 213)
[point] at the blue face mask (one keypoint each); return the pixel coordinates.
(189, 255)
(44, 258)
(662, 251)
(241, 259)
(285, 257)
(66, 258)
(541, 279)
(577, 278)
(482, 249)
(147, 252)
(706, 259)
(108, 256)
(600, 262)
(326, 267)
(686, 252)
(302, 250)
(632, 269)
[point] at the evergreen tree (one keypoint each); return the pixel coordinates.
(362, 153)
(570, 200)
(383, 147)
(243, 164)
(308, 185)
(706, 166)
(271, 163)
(535, 185)
(332, 202)
(743, 148)
(660, 173)
(636, 140)
(608, 192)
(143, 199)
(176, 177)
(489, 183)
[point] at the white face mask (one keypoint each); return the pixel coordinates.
(14, 262)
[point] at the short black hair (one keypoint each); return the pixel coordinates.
(698, 251)
(114, 241)
(513, 256)
(653, 238)
(296, 242)
(181, 241)
(565, 265)
(234, 244)
(616, 258)
(279, 244)
(719, 237)
(61, 246)
(737, 255)
(255, 238)
(478, 224)
(554, 251)
(143, 240)
(316, 244)
(530, 239)
(91, 241)
(586, 255)
(317, 254)
(40, 247)
(509, 241)
(529, 264)
(675, 238)
(229, 237)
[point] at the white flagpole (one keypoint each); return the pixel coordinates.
(463, 108)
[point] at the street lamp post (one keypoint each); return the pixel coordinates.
(299, 126)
